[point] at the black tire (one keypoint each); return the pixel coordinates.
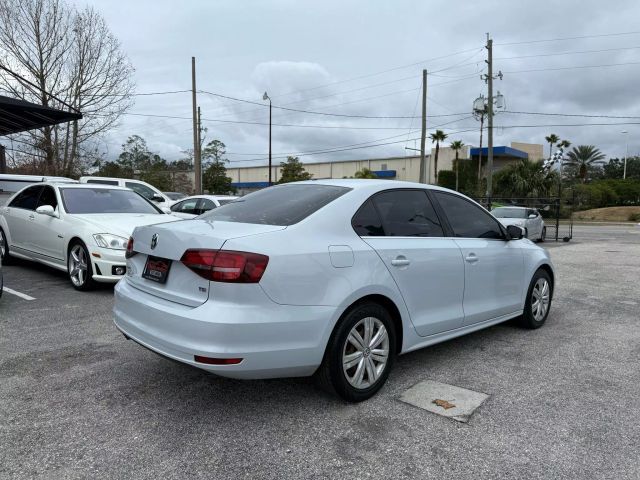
(543, 235)
(331, 375)
(531, 317)
(87, 283)
(4, 247)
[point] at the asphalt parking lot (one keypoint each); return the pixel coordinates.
(77, 400)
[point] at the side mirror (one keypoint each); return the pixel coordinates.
(515, 232)
(156, 197)
(46, 210)
(533, 215)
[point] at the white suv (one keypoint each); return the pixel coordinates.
(143, 188)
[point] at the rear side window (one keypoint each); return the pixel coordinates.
(407, 213)
(186, 206)
(467, 219)
(27, 199)
(206, 205)
(280, 205)
(366, 222)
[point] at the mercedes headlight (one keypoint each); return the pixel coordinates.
(114, 242)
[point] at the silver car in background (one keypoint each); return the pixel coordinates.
(526, 218)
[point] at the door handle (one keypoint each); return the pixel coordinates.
(32, 217)
(471, 258)
(400, 261)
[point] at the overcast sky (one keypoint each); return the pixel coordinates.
(328, 57)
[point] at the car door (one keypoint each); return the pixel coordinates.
(535, 230)
(403, 228)
(493, 265)
(19, 215)
(48, 232)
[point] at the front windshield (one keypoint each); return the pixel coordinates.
(104, 200)
(505, 212)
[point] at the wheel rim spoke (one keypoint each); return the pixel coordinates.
(356, 340)
(351, 360)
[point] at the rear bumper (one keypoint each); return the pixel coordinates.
(273, 340)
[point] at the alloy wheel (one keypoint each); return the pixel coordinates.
(78, 265)
(365, 353)
(540, 299)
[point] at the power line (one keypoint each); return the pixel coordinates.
(393, 69)
(567, 53)
(571, 38)
(349, 147)
(572, 115)
(572, 68)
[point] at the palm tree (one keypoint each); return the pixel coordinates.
(583, 157)
(523, 179)
(437, 137)
(456, 146)
(552, 140)
(365, 173)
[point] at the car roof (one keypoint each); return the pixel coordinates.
(361, 183)
(211, 197)
(514, 207)
(85, 185)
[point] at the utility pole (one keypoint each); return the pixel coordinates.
(199, 172)
(3, 160)
(423, 138)
(489, 79)
(489, 120)
(197, 166)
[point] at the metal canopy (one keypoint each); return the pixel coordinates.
(18, 116)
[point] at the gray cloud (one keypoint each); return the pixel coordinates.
(245, 48)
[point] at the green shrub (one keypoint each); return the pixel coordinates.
(634, 217)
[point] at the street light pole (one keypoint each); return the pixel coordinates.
(266, 97)
(626, 154)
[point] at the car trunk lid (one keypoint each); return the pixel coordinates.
(169, 242)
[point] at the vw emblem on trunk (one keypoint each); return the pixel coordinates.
(154, 241)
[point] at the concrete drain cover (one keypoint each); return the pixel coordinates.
(446, 400)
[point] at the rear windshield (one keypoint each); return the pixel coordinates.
(224, 202)
(279, 205)
(104, 200)
(505, 212)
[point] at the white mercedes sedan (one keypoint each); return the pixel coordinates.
(78, 228)
(332, 277)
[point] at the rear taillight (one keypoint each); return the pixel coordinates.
(129, 252)
(226, 265)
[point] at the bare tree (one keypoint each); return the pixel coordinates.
(71, 55)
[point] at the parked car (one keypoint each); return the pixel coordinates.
(527, 218)
(11, 183)
(1, 278)
(81, 229)
(143, 188)
(199, 204)
(175, 196)
(332, 277)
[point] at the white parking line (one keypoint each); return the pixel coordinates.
(18, 294)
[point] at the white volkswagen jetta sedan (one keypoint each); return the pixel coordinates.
(333, 277)
(81, 229)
